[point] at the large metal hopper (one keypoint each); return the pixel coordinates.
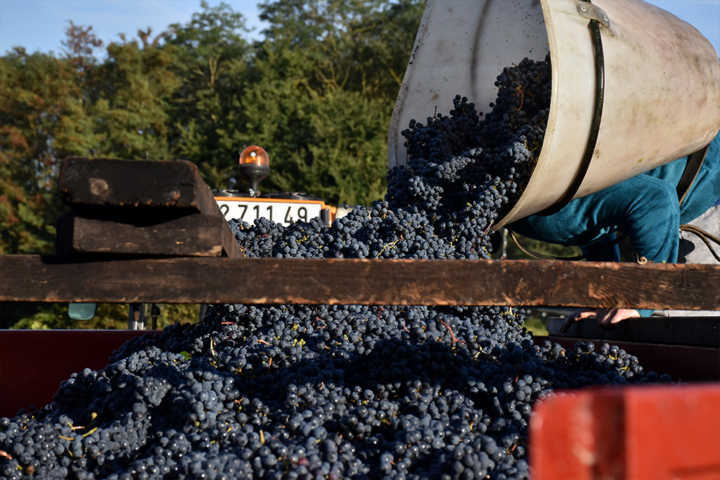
(652, 82)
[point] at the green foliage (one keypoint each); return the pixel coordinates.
(173, 313)
(212, 63)
(130, 114)
(55, 316)
(36, 99)
(316, 91)
(331, 72)
(323, 140)
(536, 326)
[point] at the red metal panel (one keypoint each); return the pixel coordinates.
(577, 435)
(34, 362)
(673, 433)
(628, 433)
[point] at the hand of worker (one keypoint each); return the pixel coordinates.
(606, 318)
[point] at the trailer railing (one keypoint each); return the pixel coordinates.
(32, 278)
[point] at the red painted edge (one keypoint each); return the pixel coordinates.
(658, 432)
(34, 362)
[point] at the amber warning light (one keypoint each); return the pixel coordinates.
(254, 166)
(254, 155)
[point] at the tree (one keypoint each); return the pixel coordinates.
(211, 58)
(322, 139)
(131, 113)
(361, 45)
(79, 47)
(40, 122)
(330, 73)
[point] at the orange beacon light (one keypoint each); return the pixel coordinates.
(254, 166)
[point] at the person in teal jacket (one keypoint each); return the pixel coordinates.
(645, 208)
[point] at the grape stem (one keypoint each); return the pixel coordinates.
(452, 334)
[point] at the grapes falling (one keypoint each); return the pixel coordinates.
(340, 392)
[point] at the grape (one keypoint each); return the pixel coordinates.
(331, 392)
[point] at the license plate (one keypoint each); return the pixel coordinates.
(282, 212)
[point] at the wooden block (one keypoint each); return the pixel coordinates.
(108, 182)
(194, 234)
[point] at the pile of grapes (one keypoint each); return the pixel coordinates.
(339, 392)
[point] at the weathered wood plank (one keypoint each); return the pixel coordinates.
(193, 234)
(134, 183)
(344, 281)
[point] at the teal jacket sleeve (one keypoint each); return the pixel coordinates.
(645, 208)
(651, 219)
(705, 190)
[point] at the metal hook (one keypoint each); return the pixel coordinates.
(593, 12)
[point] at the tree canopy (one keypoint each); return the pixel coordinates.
(316, 90)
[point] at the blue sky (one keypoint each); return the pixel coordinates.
(40, 24)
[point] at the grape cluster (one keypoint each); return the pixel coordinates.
(334, 392)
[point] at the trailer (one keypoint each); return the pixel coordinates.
(597, 433)
(160, 238)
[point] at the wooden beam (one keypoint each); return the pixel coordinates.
(344, 281)
(104, 182)
(191, 235)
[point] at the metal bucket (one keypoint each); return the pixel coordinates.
(660, 85)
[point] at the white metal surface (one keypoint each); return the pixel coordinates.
(662, 92)
(700, 253)
(460, 48)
